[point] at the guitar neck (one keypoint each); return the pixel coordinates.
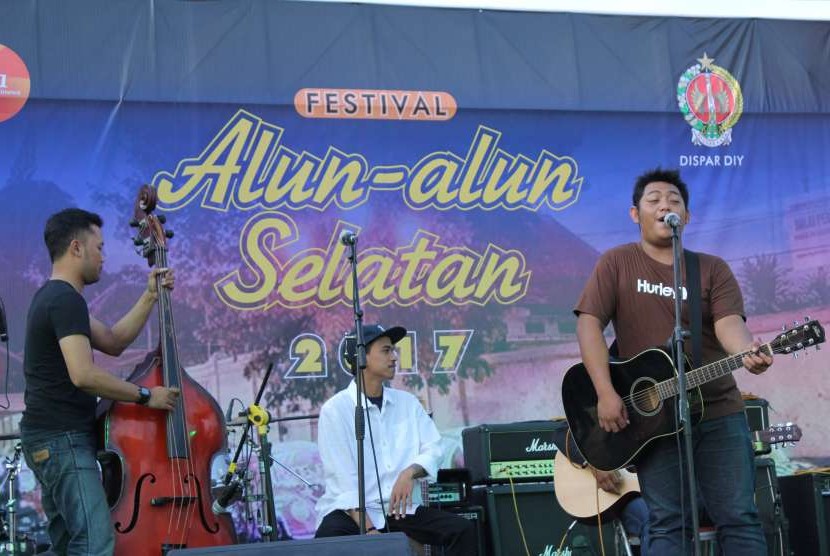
(706, 373)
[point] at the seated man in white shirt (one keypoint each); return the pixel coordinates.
(406, 446)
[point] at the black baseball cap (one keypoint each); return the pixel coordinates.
(371, 332)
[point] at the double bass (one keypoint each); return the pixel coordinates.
(156, 465)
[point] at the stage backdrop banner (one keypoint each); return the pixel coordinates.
(484, 160)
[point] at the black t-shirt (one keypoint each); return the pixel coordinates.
(52, 401)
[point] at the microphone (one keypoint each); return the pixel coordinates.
(347, 237)
(224, 500)
(672, 219)
(4, 329)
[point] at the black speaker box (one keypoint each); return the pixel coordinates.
(757, 414)
(357, 545)
(543, 522)
(806, 501)
(770, 508)
(476, 515)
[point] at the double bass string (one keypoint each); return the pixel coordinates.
(183, 512)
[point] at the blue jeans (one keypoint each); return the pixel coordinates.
(725, 473)
(71, 491)
(634, 518)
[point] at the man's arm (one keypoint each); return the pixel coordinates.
(611, 411)
(85, 375)
(425, 464)
(113, 341)
(735, 337)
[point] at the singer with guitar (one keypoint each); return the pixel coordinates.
(628, 288)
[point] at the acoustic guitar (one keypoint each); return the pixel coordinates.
(648, 385)
(578, 494)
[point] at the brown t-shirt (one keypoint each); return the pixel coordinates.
(634, 292)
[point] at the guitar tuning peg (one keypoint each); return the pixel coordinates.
(168, 234)
(795, 355)
(807, 318)
(796, 323)
(138, 241)
(162, 218)
(134, 223)
(783, 328)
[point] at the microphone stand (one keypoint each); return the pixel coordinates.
(360, 355)
(678, 338)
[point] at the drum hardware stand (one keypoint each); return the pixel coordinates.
(313, 486)
(13, 465)
(258, 416)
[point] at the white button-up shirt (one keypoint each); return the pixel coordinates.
(403, 434)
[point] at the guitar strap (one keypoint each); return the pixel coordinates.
(692, 262)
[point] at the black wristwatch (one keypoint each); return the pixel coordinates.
(143, 395)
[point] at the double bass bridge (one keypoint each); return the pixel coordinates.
(175, 500)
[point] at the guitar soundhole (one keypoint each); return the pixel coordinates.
(644, 397)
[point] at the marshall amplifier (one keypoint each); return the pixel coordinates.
(529, 513)
(522, 451)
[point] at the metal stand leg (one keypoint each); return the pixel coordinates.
(622, 538)
(12, 470)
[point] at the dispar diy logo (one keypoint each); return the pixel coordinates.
(711, 101)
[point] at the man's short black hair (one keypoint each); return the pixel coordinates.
(66, 225)
(659, 174)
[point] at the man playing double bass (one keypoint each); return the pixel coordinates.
(62, 383)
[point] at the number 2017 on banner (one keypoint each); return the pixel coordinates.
(309, 356)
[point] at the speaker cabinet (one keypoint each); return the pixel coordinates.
(473, 513)
(757, 414)
(543, 522)
(807, 506)
(770, 508)
(357, 545)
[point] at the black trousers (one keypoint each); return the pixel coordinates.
(427, 526)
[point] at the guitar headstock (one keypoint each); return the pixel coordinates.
(781, 433)
(800, 336)
(151, 239)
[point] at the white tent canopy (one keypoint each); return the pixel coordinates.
(770, 9)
